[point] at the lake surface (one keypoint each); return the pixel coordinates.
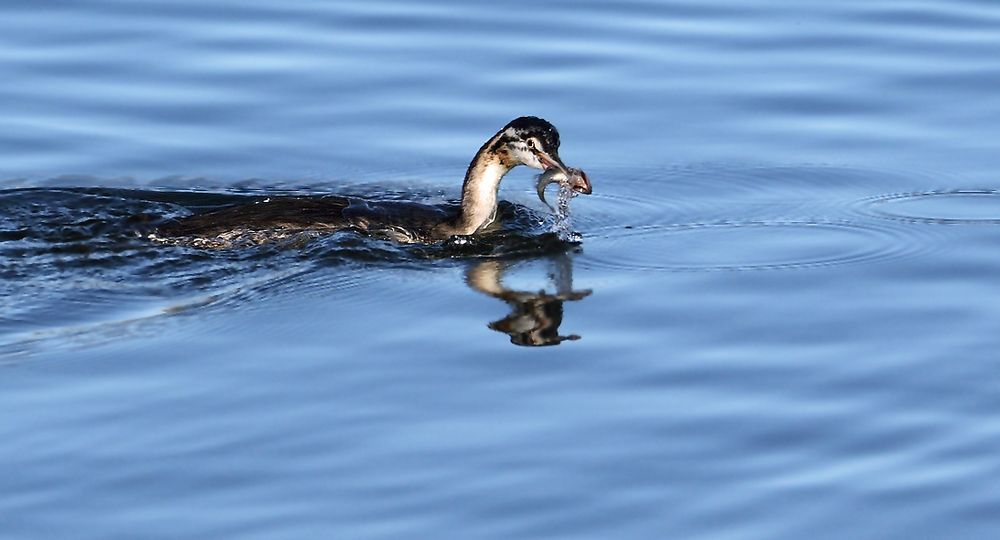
(780, 320)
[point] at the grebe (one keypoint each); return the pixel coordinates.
(527, 140)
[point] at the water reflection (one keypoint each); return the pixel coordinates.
(535, 316)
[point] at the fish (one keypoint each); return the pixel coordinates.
(571, 177)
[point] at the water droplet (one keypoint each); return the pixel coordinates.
(562, 224)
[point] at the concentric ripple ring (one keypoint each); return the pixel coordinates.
(949, 207)
(750, 245)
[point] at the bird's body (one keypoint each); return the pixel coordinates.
(525, 141)
(276, 218)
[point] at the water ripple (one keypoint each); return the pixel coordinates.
(750, 245)
(705, 218)
(944, 207)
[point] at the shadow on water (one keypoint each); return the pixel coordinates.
(535, 315)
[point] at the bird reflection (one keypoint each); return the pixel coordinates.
(535, 316)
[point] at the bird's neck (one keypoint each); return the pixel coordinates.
(479, 191)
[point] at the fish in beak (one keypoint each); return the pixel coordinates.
(576, 179)
(556, 171)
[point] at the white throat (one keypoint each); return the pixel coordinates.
(479, 196)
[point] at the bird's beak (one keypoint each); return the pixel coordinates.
(551, 162)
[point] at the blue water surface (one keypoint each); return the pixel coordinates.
(780, 321)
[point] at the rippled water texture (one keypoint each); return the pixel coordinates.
(776, 317)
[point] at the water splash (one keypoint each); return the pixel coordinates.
(562, 224)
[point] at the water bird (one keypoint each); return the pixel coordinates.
(527, 140)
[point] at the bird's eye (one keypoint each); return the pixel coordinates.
(531, 144)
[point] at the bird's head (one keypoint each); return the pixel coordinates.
(534, 142)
